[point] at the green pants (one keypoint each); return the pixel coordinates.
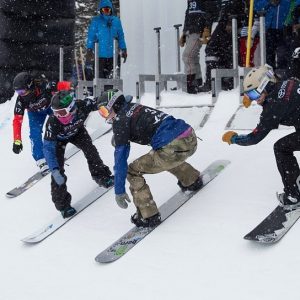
(169, 158)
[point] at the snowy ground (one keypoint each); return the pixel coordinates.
(198, 253)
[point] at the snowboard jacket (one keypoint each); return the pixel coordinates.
(197, 16)
(281, 107)
(56, 131)
(104, 29)
(275, 14)
(142, 125)
(38, 101)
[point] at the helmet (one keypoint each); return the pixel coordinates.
(258, 78)
(64, 106)
(111, 99)
(23, 81)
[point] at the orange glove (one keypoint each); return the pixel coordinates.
(227, 137)
(246, 101)
(205, 35)
(182, 40)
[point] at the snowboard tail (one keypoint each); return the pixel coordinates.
(136, 234)
(59, 221)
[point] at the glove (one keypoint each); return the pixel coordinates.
(59, 179)
(121, 200)
(124, 55)
(182, 40)
(90, 57)
(205, 35)
(228, 137)
(17, 146)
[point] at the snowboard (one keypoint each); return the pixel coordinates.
(274, 226)
(59, 221)
(38, 176)
(136, 234)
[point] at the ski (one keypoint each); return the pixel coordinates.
(274, 226)
(136, 234)
(59, 221)
(17, 191)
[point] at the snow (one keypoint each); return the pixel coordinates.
(198, 253)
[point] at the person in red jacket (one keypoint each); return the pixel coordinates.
(34, 95)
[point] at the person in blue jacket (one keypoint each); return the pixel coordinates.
(103, 29)
(276, 13)
(172, 141)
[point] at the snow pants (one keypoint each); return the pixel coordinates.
(287, 163)
(191, 55)
(82, 140)
(36, 123)
(169, 158)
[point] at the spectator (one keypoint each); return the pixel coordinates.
(103, 29)
(196, 32)
(276, 12)
(219, 48)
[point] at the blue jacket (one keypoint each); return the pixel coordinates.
(104, 29)
(275, 15)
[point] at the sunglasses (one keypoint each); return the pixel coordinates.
(64, 112)
(253, 94)
(22, 92)
(106, 10)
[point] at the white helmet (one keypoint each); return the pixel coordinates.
(258, 78)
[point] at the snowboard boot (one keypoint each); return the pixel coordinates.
(197, 185)
(152, 221)
(42, 164)
(288, 202)
(104, 181)
(205, 88)
(68, 212)
(191, 86)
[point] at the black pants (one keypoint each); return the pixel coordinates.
(287, 163)
(82, 140)
(106, 66)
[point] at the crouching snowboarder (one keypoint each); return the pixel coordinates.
(66, 125)
(281, 105)
(172, 142)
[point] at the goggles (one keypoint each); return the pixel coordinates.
(64, 112)
(105, 10)
(253, 94)
(104, 112)
(22, 92)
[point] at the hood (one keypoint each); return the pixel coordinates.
(105, 3)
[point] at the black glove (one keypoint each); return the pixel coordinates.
(90, 57)
(17, 146)
(124, 55)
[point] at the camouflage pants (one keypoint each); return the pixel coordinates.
(169, 158)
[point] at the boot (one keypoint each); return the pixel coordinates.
(191, 87)
(197, 185)
(42, 164)
(104, 181)
(68, 212)
(152, 221)
(288, 201)
(205, 88)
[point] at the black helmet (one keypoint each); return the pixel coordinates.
(62, 99)
(23, 81)
(112, 99)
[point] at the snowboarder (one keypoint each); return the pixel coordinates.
(280, 102)
(34, 94)
(66, 125)
(172, 141)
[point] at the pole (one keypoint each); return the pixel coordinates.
(178, 47)
(157, 30)
(250, 22)
(61, 63)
